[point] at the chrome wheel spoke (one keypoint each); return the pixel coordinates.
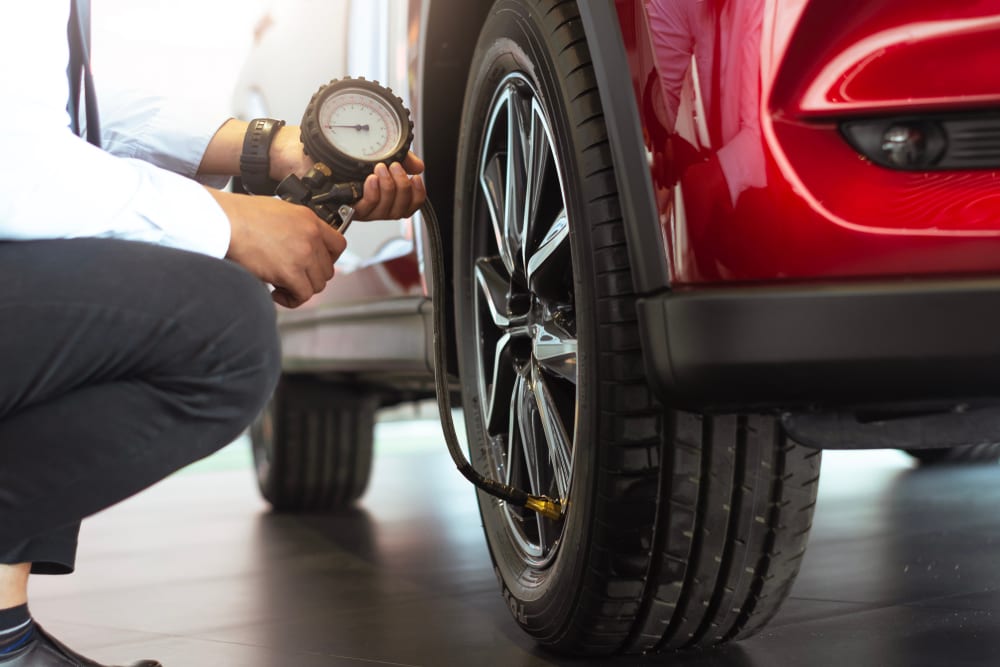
(555, 351)
(538, 160)
(556, 239)
(530, 437)
(500, 382)
(494, 175)
(493, 184)
(514, 204)
(527, 418)
(494, 289)
(558, 440)
(513, 428)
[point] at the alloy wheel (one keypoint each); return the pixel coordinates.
(525, 313)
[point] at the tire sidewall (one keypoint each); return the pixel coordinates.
(263, 432)
(540, 600)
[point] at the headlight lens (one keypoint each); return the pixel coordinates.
(969, 141)
(898, 144)
(905, 146)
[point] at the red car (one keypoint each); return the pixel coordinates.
(685, 236)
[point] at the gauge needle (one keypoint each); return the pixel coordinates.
(359, 128)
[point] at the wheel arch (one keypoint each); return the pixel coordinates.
(650, 270)
(450, 31)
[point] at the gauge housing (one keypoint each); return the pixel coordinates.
(343, 165)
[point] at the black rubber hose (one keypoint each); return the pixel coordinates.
(301, 192)
(440, 351)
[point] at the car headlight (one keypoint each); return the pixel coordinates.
(929, 142)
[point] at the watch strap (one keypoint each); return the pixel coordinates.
(255, 160)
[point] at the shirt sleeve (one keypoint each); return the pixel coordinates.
(55, 185)
(171, 133)
(742, 156)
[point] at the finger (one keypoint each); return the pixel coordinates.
(323, 261)
(298, 285)
(404, 192)
(419, 193)
(334, 241)
(413, 164)
(387, 193)
(320, 269)
(283, 297)
(364, 207)
(323, 266)
(316, 273)
(280, 298)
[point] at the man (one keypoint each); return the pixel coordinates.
(128, 346)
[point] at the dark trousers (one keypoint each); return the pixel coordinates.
(120, 363)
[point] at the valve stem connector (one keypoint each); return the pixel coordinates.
(550, 509)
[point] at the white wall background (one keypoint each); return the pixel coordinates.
(193, 48)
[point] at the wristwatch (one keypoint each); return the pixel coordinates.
(255, 161)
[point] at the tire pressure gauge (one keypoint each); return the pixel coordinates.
(349, 126)
(353, 124)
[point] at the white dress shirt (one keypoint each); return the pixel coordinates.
(54, 184)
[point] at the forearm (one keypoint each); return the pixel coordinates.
(222, 155)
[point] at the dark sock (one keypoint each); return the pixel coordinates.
(16, 628)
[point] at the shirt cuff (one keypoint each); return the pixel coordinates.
(211, 234)
(172, 210)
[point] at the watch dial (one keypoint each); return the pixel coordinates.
(360, 124)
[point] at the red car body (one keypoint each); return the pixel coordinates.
(806, 212)
(820, 212)
(857, 283)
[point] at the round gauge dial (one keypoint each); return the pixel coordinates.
(353, 124)
(361, 125)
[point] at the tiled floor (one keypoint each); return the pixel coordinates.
(903, 570)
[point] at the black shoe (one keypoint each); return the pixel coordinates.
(45, 651)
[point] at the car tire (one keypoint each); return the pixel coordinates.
(964, 455)
(312, 445)
(679, 530)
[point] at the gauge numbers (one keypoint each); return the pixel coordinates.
(360, 124)
(351, 125)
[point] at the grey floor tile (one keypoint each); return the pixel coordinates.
(197, 572)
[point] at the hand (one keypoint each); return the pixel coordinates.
(284, 244)
(393, 192)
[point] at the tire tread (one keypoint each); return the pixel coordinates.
(323, 445)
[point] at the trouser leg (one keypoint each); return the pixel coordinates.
(119, 364)
(53, 552)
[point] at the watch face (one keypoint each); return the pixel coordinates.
(360, 124)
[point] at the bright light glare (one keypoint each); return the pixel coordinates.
(189, 48)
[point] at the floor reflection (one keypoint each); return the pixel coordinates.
(901, 571)
(898, 557)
